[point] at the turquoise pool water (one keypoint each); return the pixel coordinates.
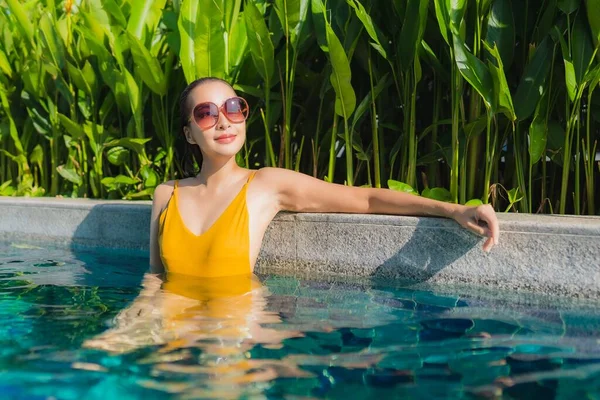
(83, 324)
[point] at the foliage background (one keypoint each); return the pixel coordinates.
(458, 100)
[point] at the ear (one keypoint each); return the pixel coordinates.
(188, 135)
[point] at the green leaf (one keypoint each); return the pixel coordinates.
(570, 79)
(318, 10)
(412, 32)
(6, 189)
(582, 48)
(231, 14)
(545, 22)
(32, 75)
(594, 19)
(147, 66)
(555, 141)
(292, 14)
(149, 176)
(259, 39)
(501, 90)
(474, 203)
(78, 79)
(427, 54)
(364, 105)
(117, 155)
(537, 138)
(238, 45)
(501, 30)
(187, 32)
(124, 180)
(135, 101)
(475, 128)
(20, 159)
(475, 72)
(5, 65)
(52, 42)
(69, 174)
(37, 155)
(401, 187)
(514, 195)
(457, 9)
(345, 99)
(113, 183)
(442, 14)
(592, 78)
(437, 193)
(114, 10)
(23, 21)
(89, 75)
(142, 194)
(145, 15)
(568, 6)
(74, 129)
(252, 91)
(378, 44)
(209, 41)
(137, 145)
(533, 79)
(13, 132)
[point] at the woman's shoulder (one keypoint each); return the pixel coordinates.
(162, 193)
(276, 174)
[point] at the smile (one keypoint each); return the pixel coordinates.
(225, 138)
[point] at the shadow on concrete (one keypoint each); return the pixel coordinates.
(108, 261)
(430, 249)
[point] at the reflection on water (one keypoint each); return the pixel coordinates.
(220, 319)
(91, 326)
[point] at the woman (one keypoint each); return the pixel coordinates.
(212, 224)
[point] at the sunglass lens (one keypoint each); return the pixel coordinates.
(206, 115)
(237, 109)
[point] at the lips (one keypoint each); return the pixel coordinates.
(225, 139)
(225, 136)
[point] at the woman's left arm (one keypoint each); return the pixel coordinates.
(303, 193)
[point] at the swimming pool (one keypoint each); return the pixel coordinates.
(81, 323)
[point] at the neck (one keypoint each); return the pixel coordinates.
(217, 172)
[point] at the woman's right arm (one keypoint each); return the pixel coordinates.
(162, 194)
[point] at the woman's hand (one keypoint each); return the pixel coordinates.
(480, 220)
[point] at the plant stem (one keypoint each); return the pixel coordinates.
(590, 152)
(433, 168)
(455, 111)
(332, 154)
(567, 153)
(577, 170)
(412, 142)
(374, 131)
(489, 157)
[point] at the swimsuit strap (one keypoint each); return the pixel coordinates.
(252, 174)
(174, 192)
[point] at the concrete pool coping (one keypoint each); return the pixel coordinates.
(537, 253)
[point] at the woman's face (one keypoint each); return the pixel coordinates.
(226, 138)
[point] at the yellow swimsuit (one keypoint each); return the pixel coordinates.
(223, 250)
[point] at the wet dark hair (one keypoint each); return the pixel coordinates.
(189, 156)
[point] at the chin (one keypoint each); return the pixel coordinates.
(228, 150)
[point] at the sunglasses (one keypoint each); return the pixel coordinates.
(206, 115)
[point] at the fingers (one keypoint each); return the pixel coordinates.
(489, 243)
(488, 215)
(480, 230)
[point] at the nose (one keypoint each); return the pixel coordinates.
(222, 123)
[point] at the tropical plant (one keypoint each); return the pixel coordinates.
(450, 99)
